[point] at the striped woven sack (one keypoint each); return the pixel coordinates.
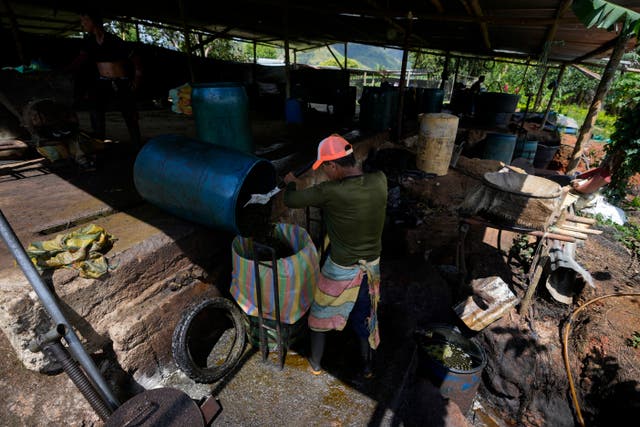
(297, 276)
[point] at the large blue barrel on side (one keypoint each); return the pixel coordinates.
(221, 114)
(200, 182)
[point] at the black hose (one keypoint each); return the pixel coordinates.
(56, 351)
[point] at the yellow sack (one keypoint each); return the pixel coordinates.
(81, 249)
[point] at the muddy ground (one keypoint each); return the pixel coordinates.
(524, 383)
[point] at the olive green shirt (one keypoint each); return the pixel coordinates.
(354, 211)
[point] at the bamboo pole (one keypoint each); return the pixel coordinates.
(563, 67)
(536, 103)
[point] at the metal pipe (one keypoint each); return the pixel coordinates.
(48, 300)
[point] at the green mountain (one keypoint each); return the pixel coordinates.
(371, 57)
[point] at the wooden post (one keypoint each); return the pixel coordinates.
(553, 95)
(137, 32)
(15, 30)
(187, 41)
(401, 84)
(596, 105)
(445, 70)
(536, 103)
(201, 45)
(287, 65)
(255, 52)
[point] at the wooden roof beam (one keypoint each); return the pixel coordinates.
(602, 49)
(551, 34)
(475, 10)
(438, 5)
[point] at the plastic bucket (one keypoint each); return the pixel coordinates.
(526, 150)
(459, 385)
(436, 140)
(499, 146)
(221, 113)
(201, 182)
(429, 100)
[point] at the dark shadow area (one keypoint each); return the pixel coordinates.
(607, 400)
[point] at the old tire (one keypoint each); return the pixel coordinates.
(202, 333)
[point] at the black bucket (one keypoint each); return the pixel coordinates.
(459, 385)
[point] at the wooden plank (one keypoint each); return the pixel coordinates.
(580, 229)
(577, 235)
(581, 219)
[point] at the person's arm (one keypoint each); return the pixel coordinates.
(312, 196)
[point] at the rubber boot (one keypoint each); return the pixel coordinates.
(317, 350)
(367, 358)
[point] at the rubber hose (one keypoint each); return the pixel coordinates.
(58, 352)
(565, 348)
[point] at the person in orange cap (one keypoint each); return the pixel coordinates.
(353, 206)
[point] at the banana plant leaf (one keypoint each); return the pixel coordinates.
(604, 14)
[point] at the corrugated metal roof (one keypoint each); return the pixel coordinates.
(526, 28)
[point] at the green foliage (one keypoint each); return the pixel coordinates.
(522, 250)
(634, 341)
(605, 123)
(604, 14)
(627, 234)
(331, 62)
(625, 141)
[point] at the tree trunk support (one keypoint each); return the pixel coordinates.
(586, 129)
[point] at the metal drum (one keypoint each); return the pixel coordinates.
(200, 182)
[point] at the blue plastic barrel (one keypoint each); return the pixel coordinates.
(293, 111)
(459, 385)
(200, 182)
(499, 146)
(526, 150)
(430, 100)
(378, 107)
(221, 113)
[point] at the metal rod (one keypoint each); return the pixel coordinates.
(49, 302)
(276, 299)
(256, 269)
(50, 345)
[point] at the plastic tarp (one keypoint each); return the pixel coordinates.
(297, 276)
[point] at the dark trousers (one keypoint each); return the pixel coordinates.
(115, 92)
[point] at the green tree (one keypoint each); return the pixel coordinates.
(331, 62)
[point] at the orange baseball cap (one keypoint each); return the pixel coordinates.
(331, 148)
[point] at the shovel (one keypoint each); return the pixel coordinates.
(261, 199)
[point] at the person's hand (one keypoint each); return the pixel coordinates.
(290, 177)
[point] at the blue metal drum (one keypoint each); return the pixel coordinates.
(200, 182)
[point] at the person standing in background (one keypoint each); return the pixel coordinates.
(119, 75)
